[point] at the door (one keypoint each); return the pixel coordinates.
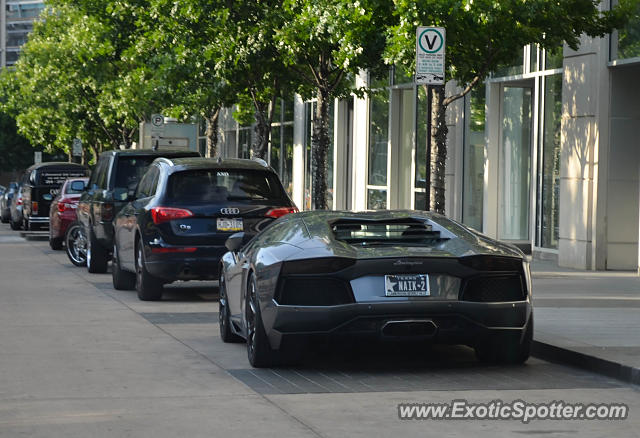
(515, 163)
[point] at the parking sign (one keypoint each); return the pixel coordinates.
(430, 55)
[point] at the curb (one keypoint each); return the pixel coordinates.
(615, 370)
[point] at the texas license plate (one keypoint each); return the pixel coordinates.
(231, 224)
(407, 285)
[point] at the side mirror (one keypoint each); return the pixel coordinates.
(235, 242)
(78, 186)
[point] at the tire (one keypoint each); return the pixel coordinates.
(259, 351)
(15, 226)
(55, 243)
(4, 218)
(97, 256)
(149, 287)
(76, 244)
(507, 349)
(122, 280)
(226, 334)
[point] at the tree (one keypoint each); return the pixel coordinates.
(484, 34)
(326, 43)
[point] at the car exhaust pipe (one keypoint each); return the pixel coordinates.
(409, 328)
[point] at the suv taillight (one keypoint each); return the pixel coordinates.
(279, 212)
(34, 207)
(64, 205)
(166, 214)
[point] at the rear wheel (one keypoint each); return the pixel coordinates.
(15, 225)
(97, 257)
(54, 242)
(149, 287)
(76, 243)
(511, 349)
(122, 280)
(259, 351)
(4, 218)
(226, 333)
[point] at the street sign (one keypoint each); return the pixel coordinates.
(430, 51)
(77, 147)
(37, 157)
(157, 120)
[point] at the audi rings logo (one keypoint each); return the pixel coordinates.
(229, 210)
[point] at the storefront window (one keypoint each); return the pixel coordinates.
(629, 38)
(310, 108)
(378, 149)
(473, 170)
(281, 149)
(421, 143)
(515, 154)
(549, 202)
(553, 58)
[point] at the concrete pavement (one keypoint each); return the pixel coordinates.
(589, 319)
(79, 359)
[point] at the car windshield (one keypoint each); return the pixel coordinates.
(223, 185)
(130, 170)
(367, 232)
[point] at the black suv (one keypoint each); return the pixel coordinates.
(182, 214)
(114, 179)
(41, 183)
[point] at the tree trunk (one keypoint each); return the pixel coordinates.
(320, 150)
(212, 133)
(438, 160)
(262, 129)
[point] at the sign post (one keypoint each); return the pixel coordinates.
(157, 129)
(76, 149)
(37, 157)
(430, 57)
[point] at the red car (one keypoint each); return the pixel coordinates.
(63, 210)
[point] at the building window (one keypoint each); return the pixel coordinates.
(473, 160)
(549, 164)
(553, 58)
(281, 147)
(626, 41)
(377, 186)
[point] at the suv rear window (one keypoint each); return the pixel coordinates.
(130, 170)
(55, 178)
(224, 185)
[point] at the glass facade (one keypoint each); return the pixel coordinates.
(378, 150)
(281, 149)
(310, 108)
(627, 44)
(19, 23)
(473, 165)
(549, 164)
(515, 152)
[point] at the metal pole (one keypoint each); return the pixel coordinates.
(428, 152)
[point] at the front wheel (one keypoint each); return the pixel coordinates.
(226, 333)
(97, 257)
(122, 280)
(76, 243)
(259, 351)
(149, 287)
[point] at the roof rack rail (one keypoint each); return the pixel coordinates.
(260, 161)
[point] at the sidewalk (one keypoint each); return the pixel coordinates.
(589, 319)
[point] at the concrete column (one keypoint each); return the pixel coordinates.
(360, 146)
(584, 156)
(297, 176)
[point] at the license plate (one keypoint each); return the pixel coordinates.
(406, 285)
(233, 224)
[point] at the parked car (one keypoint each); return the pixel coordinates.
(40, 185)
(395, 275)
(16, 219)
(5, 202)
(183, 211)
(115, 175)
(62, 212)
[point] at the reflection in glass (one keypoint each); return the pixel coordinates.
(473, 171)
(421, 142)
(511, 68)
(553, 58)
(376, 199)
(629, 37)
(310, 108)
(550, 171)
(420, 200)
(516, 163)
(378, 138)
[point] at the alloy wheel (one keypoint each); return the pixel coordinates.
(251, 319)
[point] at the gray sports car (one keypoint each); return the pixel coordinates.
(385, 275)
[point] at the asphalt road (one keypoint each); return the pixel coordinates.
(79, 359)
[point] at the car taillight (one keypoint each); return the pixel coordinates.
(19, 201)
(166, 214)
(279, 212)
(65, 205)
(106, 211)
(34, 207)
